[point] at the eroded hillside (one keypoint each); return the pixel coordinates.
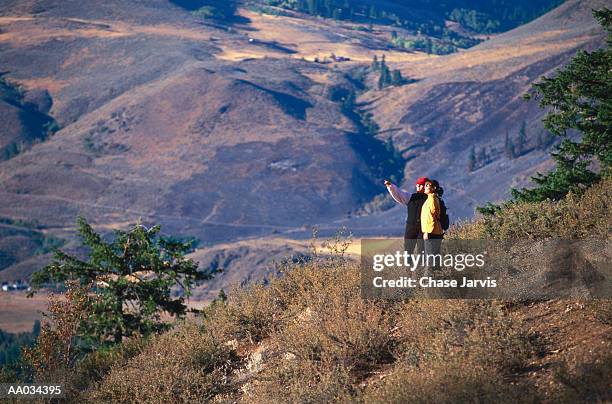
(157, 123)
(226, 132)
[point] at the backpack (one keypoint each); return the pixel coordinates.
(444, 219)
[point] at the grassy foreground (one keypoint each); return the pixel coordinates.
(308, 336)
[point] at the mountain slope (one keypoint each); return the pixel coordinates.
(229, 132)
(155, 125)
(472, 98)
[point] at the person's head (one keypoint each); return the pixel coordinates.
(430, 187)
(439, 189)
(420, 184)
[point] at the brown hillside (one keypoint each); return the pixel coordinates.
(473, 97)
(189, 124)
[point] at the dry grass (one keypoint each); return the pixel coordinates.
(309, 336)
(454, 351)
(310, 38)
(88, 29)
(574, 217)
(186, 365)
(18, 313)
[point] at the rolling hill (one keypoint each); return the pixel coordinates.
(230, 132)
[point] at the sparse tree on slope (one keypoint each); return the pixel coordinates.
(580, 98)
(375, 65)
(472, 160)
(396, 78)
(509, 147)
(132, 277)
(522, 138)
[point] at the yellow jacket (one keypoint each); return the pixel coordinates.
(430, 215)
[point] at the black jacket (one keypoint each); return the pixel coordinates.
(413, 217)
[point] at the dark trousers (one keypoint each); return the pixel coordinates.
(433, 243)
(413, 238)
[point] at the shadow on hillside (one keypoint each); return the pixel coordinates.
(217, 11)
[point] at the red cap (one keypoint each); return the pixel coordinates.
(421, 181)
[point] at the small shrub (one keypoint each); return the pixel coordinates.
(574, 217)
(58, 346)
(184, 365)
(304, 382)
(96, 365)
(454, 351)
(341, 328)
(451, 381)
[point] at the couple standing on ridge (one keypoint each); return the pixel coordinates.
(427, 218)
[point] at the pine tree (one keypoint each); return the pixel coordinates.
(348, 104)
(581, 96)
(385, 76)
(132, 277)
(329, 8)
(396, 78)
(508, 147)
(482, 157)
(471, 166)
(312, 7)
(522, 139)
(373, 13)
(375, 65)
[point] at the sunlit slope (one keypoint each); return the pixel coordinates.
(225, 133)
(473, 98)
(156, 124)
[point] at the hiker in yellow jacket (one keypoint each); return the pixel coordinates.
(430, 219)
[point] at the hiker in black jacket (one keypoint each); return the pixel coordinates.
(413, 235)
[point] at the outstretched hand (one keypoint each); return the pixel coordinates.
(387, 182)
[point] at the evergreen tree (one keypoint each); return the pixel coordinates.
(348, 104)
(471, 166)
(580, 95)
(131, 276)
(373, 14)
(482, 157)
(508, 147)
(375, 64)
(522, 139)
(396, 78)
(312, 7)
(385, 76)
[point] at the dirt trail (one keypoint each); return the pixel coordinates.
(569, 331)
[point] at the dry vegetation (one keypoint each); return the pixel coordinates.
(308, 336)
(574, 217)
(312, 38)
(18, 312)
